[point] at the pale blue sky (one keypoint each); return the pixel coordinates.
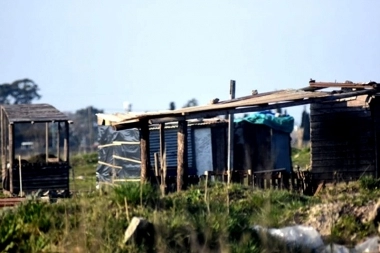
(102, 53)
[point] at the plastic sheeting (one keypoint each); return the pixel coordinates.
(283, 123)
(308, 238)
(114, 147)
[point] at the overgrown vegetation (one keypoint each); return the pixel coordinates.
(197, 220)
(301, 157)
(205, 218)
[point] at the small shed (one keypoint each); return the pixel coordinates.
(345, 138)
(119, 151)
(44, 167)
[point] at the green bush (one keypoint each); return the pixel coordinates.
(369, 183)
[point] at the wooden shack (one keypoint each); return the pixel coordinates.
(45, 170)
(336, 125)
(344, 138)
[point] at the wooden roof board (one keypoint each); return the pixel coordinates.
(33, 113)
(249, 103)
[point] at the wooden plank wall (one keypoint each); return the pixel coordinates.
(342, 140)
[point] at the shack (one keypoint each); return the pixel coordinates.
(119, 151)
(44, 165)
(335, 122)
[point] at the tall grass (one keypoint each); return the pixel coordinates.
(184, 222)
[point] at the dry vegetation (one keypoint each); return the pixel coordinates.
(205, 218)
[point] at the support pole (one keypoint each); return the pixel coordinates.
(66, 148)
(163, 158)
(145, 152)
(58, 141)
(3, 149)
(182, 155)
(11, 155)
(230, 156)
(46, 142)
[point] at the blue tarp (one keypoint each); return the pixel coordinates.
(284, 123)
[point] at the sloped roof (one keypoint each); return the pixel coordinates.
(33, 113)
(252, 103)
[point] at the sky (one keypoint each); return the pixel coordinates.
(149, 53)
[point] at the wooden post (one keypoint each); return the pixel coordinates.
(145, 152)
(58, 140)
(66, 148)
(156, 159)
(3, 149)
(46, 142)
(11, 155)
(230, 156)
(163, 158)
(182, 155)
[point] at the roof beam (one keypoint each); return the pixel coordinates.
(261, 107)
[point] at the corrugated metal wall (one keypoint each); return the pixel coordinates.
(342, 139)
(171, 146)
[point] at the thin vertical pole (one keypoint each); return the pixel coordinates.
(230, 156)
(3, 148)
(11, 155)
(58, 141)
(20, 174)
(66, 148)
(163, 158)
(182, 155)
(47, 142)
(145, 152)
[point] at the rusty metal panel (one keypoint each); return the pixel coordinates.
(342, 139)
(33, 112)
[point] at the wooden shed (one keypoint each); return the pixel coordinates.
(344, 138)
(46, 170)
(344, 133)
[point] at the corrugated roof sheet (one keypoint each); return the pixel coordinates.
(33, 112)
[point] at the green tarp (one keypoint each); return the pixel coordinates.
(284, 123)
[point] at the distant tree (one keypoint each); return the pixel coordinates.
(190, 103)
(305, 124)
(83, 133)
(172, 106)
(19, 92)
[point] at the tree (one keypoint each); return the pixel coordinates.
(190, 103)
(83, 133)
(172, 106)
(19, 92)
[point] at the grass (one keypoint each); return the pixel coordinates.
(185, 222)
(301, 157)
(204, 218)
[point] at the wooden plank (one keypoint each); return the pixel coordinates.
(58, 140)
(156, 161)
(345, 117)
(66, 147)
(342, 85)
(336, 151)
(145, 152)
(325, 143)
(3, 148)
(46, 142)
(348, 110)
(163, 158)
(182, 155)
(342, 162)
(11, 153)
